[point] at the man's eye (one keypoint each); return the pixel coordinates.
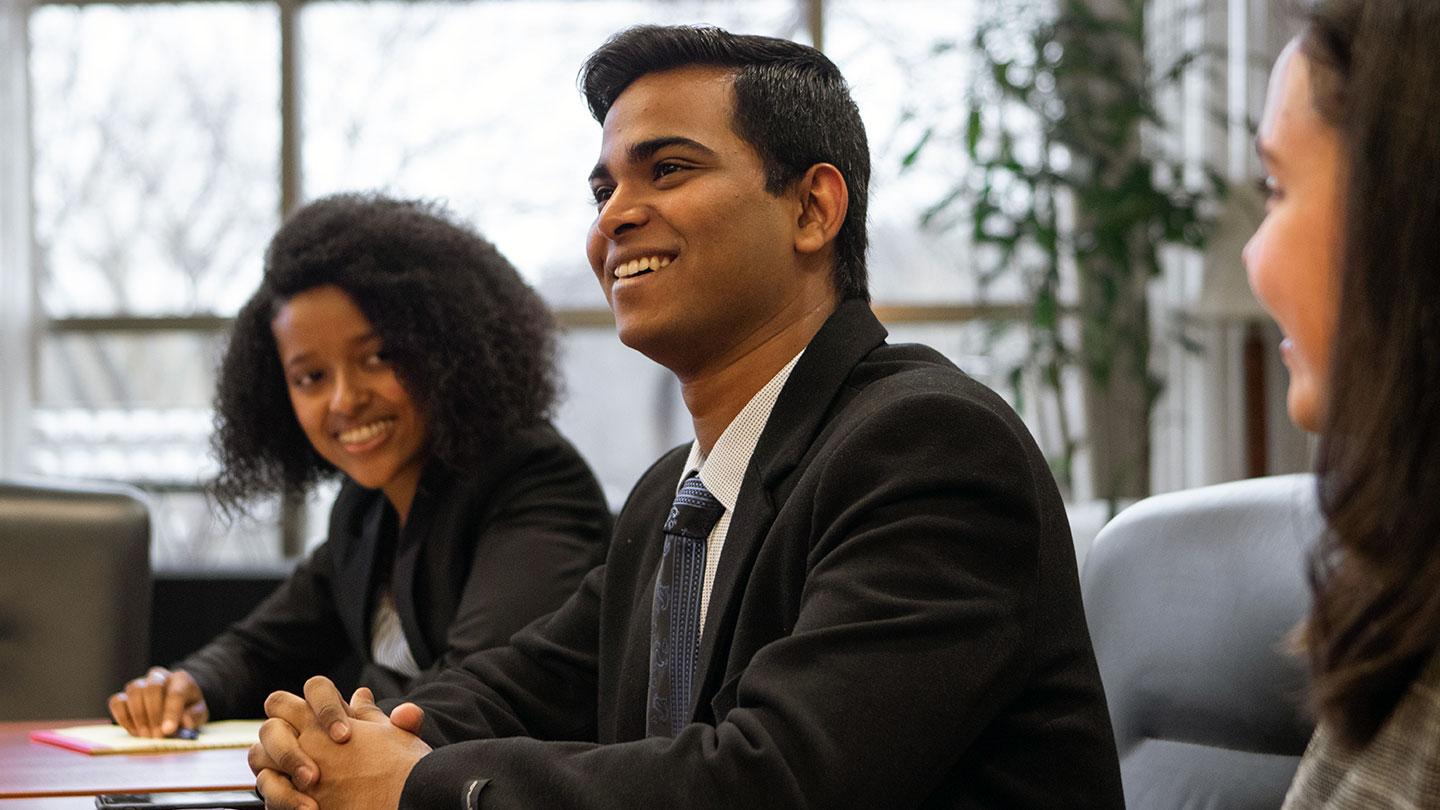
(602, 194)
(666, 167)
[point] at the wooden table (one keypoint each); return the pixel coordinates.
(35, 776)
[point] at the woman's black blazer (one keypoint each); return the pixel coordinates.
(482, 554)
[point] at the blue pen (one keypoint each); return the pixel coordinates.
(187, 734)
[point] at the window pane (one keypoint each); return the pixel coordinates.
(476, 104)
(621, 410)
(190, 534)
(128, 370)
(160, 446)
(156, 143)
(906, 63)
(129, 407)
(156, 135)
(165, 450)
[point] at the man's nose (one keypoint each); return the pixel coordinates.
(624, 210)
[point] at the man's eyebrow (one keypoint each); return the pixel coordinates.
(644, 150)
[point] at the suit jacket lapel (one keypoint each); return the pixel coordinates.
(355, 568)
(851, 332)
(406, 581)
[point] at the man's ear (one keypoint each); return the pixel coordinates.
(824, 199)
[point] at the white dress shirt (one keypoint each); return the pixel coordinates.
(723, 470)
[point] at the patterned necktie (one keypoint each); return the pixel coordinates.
(675, 611)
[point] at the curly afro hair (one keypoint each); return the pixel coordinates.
(472, 343)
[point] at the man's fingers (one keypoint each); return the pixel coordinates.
(406, 716)
(409, 717)
(289, 707)
(280, 794)
(120, 710)
(362, 705)
(258, 760)
(281, 752)
(329, 707)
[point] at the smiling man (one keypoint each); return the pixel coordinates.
(855, 588)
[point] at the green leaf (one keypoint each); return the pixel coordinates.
(1016, 378)
(1045, 311)
(973, 129)
(1189, 343)
(1178, 68)
(914, 153)
(927, 217)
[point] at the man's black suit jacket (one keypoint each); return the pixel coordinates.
(482, 555)
(895, 623)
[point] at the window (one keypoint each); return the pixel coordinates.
(167, 139)
(155, 156)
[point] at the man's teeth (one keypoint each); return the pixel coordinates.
(636, 266)
(365, 433)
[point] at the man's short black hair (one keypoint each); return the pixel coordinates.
(791, 104)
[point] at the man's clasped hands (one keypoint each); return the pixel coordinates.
(319, 751)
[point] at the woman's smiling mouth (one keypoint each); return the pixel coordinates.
(365, 436)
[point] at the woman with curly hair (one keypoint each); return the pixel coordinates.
(1348, 262)
(396, 349)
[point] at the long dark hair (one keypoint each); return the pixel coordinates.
(1375, 621)
(792, 106)
(473, 345)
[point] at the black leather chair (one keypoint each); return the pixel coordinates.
(74, 596)
(1190, 596)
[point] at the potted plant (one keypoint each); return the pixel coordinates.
(1068, 191)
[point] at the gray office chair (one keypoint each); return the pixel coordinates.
(1189, 597)
(74, 597)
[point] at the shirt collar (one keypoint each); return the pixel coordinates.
(723, 470)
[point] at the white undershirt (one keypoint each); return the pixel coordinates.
(723, 470)
(388, 647)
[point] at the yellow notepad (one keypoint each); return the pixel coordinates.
(112, 739)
